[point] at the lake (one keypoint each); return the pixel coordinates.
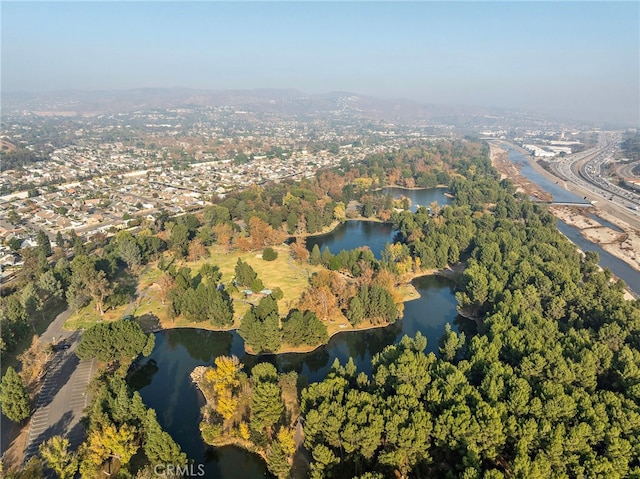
(353, 234)
(420, 197)
(165, 385)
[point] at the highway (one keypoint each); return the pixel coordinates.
(584, 171)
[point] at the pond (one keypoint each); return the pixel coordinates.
(420, 197)
(353, 234)
(165, 385)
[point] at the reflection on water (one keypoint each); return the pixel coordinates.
(421, 197)
(355, 234)
(164, 383)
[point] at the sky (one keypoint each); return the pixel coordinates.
(573, 59)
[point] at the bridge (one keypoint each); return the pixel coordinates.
(580, 204)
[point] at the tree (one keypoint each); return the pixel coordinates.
(277, 461)
(300, 329)
(31, 470)
(224, 234)
(216, 215)
(129, 251)
(266, 407)
(56, 454)
(59, 240)
(166, 284)
(299, 249)
(196, 250)
(14, 397)
(356, 312)
(221, 383)
(119, 341)
(211, 273)
(159, 446)
(450, 343)
(245, 275)
(99, 288)
(105, 444)
(43, 243)
(31, 301)
(49, 284)
(269, 254)
(320, 300)
(179, 240)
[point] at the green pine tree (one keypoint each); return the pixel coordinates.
(13, 397)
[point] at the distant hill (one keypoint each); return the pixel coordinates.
(284, 103)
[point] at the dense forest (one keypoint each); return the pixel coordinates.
(549, 387)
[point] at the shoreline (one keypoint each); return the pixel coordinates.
(413, 188)
(450, 272)
(621, 245)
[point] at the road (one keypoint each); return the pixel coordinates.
(62, 397)
(581, 173)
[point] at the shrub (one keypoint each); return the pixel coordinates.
(269, 254)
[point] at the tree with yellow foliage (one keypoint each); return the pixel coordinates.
(221, 383)
(105, 444)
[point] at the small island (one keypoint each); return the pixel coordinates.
(259, 413)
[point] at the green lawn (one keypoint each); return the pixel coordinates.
(88, 316)
(284, 273)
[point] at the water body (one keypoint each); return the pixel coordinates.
(618, 267)
(165, 385)
(559, 193)
(354, 234)
(421, 197)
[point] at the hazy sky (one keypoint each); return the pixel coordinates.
(576, 58)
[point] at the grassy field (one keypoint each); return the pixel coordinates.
(284, 273)
(86, 317)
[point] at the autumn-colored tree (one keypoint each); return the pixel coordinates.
(223, 233)
(197, 250)
(166, 284)
(320, 300)
(56, 454)
(242, 242)
(105, 444)
(33, 361)
(299, 250)
(263, 234)
(339, 212)
(220, 384)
